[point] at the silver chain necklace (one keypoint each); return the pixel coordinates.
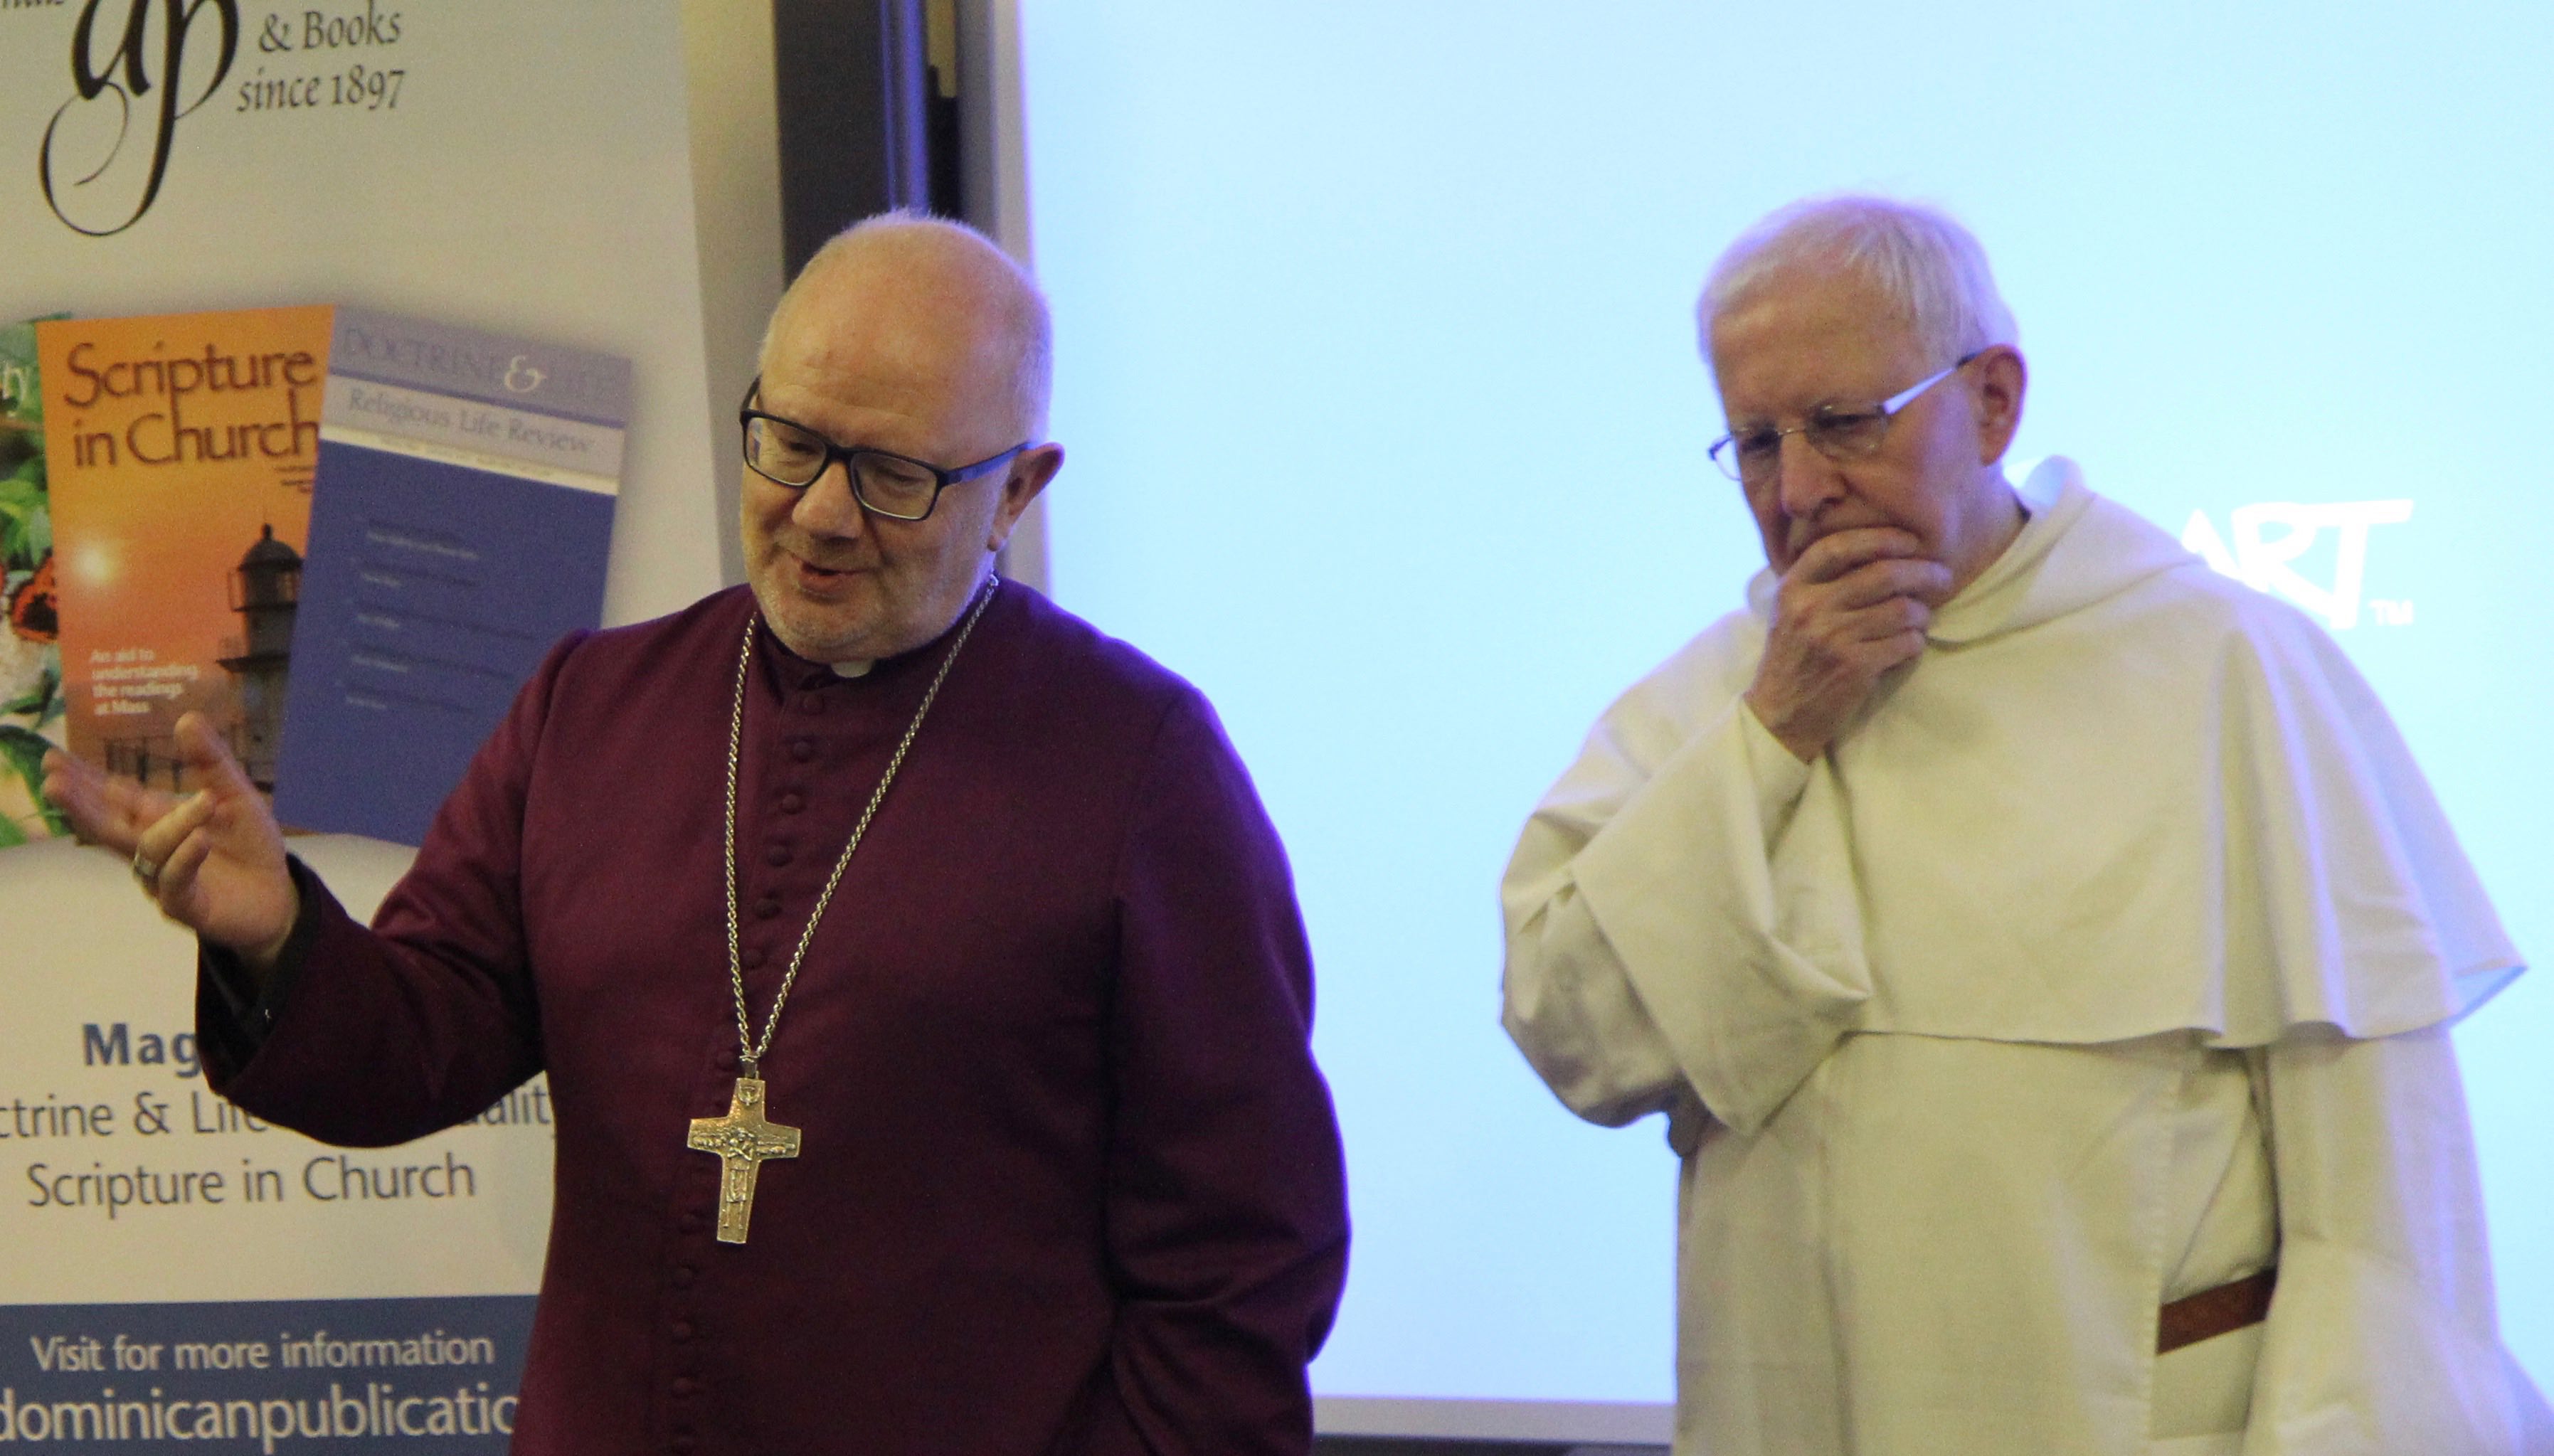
(745, 1138)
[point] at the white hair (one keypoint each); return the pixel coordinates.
(1924, 262)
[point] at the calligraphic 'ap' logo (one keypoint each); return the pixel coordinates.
(105, 153)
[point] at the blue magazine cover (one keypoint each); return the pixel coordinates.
(460, 527)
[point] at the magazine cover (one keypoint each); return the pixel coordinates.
(462, 524)
(181, 451)
(30, 665)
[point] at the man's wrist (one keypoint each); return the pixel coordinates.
(1796, 742)
(259, 977)
(260, 962)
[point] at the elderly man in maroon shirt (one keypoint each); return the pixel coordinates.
(920, 983)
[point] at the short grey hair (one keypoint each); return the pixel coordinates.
(1919, 258)
(1000, 282)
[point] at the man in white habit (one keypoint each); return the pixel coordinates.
(2043, 948)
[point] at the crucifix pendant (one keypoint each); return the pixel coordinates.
(742, 1142)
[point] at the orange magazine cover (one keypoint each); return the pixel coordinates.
(181, 451)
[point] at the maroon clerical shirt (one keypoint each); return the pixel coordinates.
(1071, 1180)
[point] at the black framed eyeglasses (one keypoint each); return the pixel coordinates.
(787, 453)
(1753, 456)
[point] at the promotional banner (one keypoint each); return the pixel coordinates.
(178, 1272)
(519, 170)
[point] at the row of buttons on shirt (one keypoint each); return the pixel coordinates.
(792, 801)
(684, 1387)
(695, 1222)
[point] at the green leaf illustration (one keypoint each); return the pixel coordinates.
(18, 351)
(41, 702)
(26, 521)
(24, 752)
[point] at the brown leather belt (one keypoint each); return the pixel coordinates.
(2213, 1312)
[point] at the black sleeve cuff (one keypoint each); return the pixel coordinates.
(232, 1013)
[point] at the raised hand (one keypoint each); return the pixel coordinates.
(213, 860)
(1855, 604)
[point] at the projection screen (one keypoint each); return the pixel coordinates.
(1379, 376)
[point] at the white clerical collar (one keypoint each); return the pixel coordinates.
(858, 668)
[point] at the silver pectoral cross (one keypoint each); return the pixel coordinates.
(742, 1142)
